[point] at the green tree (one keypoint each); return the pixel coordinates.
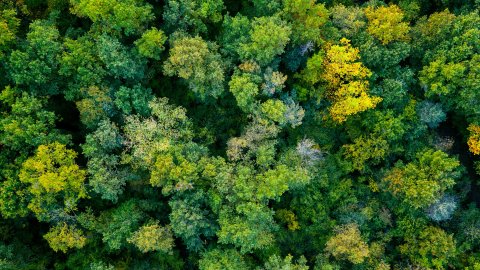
(134, 99)
(129, 16)
(219, 259)
(191, 219)
(35, 65)
(9, 24)
(81, 65)
(244, 87)
(193, 16)
(151, 43)
(152, 237)
(102, 148)
(421, 182)
(307, 19)
(275, 262)
(431, 248)
(27, 123)
(117, 225)
(198, 63)
(120, 61)
(268, 38)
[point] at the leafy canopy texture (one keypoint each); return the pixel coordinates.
(239, 135)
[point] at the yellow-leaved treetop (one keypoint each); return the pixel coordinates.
(474, 139)
(153, 237)
(385, 23)
(346, 79)
(64, 237)
(348, 244)
(56, 182)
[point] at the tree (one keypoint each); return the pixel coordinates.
(346, 82)
(135, 99)
(129, 16)
(35, 65)
(442, 78)
(152, 237)
(275, 262)
(474, 139)
(81, 65)
(350, 99)
(385, 23)
(192, 16)
(8, 28)
(432, 248)
(250, 229)
(350, 20)
(450, 73)
(96, 106)
(274, 110)
(420, 182)
(268, 38)
(307, 19)
(197, 62)
(364, 149)
(347, 243)
(244, 87)
(102, 147)
(191, 220)
(64, 237)
(151, 43)
(219, 259)
(150, 136)
(431, 113)
(235, 31)
(27, 124)
(55, 181)
(118, 224)
(443, 208)
(119, 61)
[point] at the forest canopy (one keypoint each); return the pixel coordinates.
(239, 134)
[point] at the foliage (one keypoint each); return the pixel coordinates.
(268, 38)
(151, 43)
(385, 23)
(420, 182)
(196, 61)
(128, 16)
(443, 208)
(346, 80)
(34, 66)
(223, 134)
(276, 262)
(152, 237)
(192, 15)
(64, 237)
(347, 243)
(54, 179)
(433, 247)
(222, 259)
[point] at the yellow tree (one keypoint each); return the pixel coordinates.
(56, 182)
(346, 80)
(64, 237)
(474, 139)
(385, 23)
(347, 243)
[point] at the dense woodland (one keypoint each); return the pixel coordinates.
(239, 134)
